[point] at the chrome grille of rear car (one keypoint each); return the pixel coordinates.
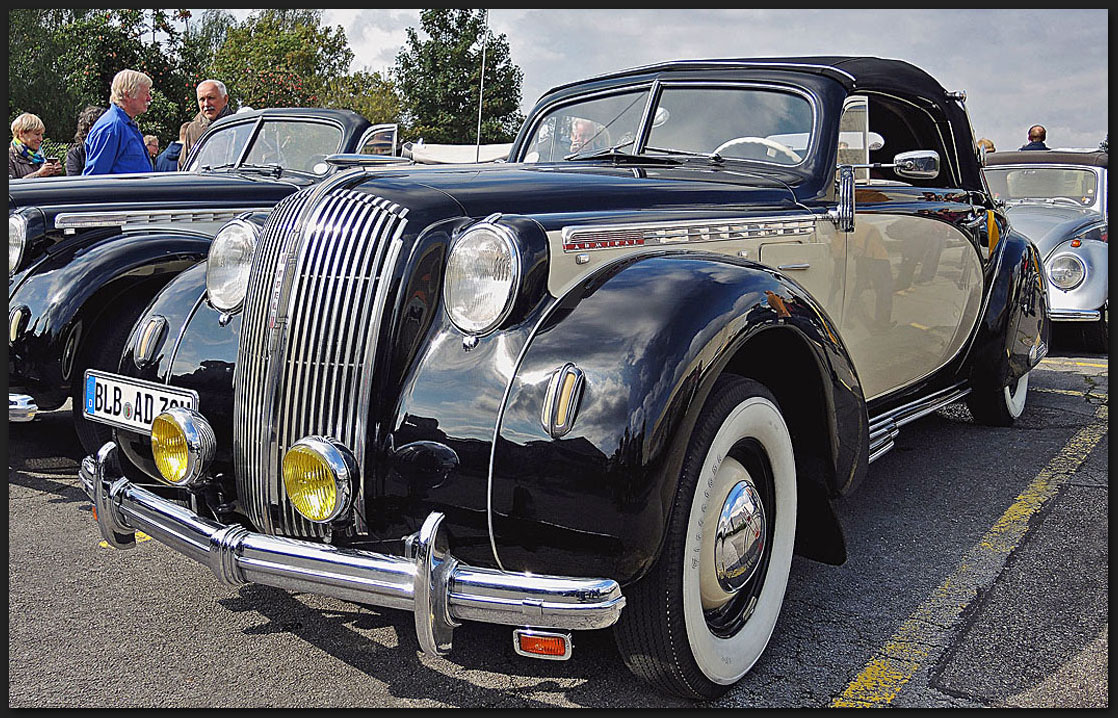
(304, 364)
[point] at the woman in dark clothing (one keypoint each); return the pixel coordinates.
(25, 159)
(75, 156)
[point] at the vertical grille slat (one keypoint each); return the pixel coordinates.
(304, 362)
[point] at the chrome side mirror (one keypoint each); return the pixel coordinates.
(919, 164)
(843, 214)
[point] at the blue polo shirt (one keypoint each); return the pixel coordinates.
(115, 145)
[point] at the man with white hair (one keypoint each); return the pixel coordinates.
(115, 144)
(213, 104)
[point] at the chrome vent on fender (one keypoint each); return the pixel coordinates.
(316, 294)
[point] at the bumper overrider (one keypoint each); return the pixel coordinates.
(439, 590)
(21, 407)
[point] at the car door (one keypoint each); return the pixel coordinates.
(913, 285)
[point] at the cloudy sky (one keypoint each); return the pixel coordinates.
(1019, 67)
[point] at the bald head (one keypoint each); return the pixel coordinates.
(1037, 133)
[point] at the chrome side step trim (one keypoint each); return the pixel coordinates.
(885, 428)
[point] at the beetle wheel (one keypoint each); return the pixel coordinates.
(704, 614)
(1096, 335)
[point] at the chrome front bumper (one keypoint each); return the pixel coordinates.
(1074, 315)
(21, 407)
(427, 580)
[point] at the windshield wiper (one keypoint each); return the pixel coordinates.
(273, 169)
(614, 153)
(214, 168)
(712, 156)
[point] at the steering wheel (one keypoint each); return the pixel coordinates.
(771, 144)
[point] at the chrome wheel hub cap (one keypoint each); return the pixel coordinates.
(739, 539)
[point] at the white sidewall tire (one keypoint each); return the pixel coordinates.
(1016, 395)
(725, 660)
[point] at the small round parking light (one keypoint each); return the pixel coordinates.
(318, 474)
(183, 445)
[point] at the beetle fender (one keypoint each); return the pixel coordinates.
(68, 292)
(650, 334)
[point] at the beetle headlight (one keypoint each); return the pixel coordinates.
(1066, 271)
(318, 474)
(482, 276)
(228, 264)
(17, 240)
(182, 444)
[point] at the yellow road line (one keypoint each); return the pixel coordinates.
(140, 538)
(896, 662)
(1068, 392)
(1073, 363)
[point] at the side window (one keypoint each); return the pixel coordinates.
(381, 141)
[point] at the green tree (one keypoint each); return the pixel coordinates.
(439, 79)
(281, 58)
(195, 48)
(369, 94)
(62, 60)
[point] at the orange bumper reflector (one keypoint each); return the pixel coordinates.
(94, 513)
(542, 644)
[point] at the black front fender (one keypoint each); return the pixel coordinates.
(67, 293)
(650, 335)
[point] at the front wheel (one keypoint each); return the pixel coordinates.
(102, 350)
(704, 614)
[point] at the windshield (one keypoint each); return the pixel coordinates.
(290, 144)
(1043, 184)
(715, 122)
(586, 127)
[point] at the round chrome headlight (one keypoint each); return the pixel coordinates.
(318, 474)
(228, 264)
(482, 276)
(17, 240)
(1066, 271)
(182, 444)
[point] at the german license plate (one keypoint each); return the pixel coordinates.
(130, 403)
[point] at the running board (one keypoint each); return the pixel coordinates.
(885, 428)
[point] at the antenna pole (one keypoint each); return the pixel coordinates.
(481, 88)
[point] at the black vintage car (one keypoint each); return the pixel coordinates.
(86, 254)
(628, 369)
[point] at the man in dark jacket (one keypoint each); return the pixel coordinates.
(1037, 135)
(168, 160)
(213, 104)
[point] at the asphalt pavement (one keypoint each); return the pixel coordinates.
(977, 578)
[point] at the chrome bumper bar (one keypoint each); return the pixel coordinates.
(21, 407)
(427, 580)
(1074, 315)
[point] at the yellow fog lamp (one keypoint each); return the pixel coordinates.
(183, 445)
(319, 474)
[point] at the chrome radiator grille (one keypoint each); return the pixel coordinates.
(304, 364)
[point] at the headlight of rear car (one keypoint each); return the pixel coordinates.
(228, 264)
(1066, 271)
(482, 276)
(17, 240)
